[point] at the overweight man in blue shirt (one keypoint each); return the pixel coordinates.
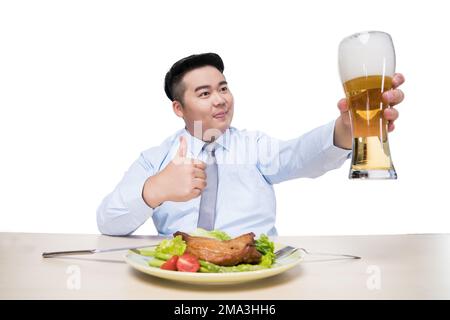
(214, 176)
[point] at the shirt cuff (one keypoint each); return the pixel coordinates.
(132, 197)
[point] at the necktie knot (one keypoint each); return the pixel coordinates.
(210, 148)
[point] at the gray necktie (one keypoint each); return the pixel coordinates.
(207, 212)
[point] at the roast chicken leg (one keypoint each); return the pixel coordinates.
(223, 253)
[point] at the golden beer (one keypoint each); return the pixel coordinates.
(363, 88)
(368, 124)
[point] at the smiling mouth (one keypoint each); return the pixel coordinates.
(220, 115)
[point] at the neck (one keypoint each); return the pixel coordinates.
(208, 135)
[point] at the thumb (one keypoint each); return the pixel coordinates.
(182, 148)
(343, 105)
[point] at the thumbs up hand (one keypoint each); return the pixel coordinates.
(181, 180)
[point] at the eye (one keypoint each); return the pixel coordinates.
(224, 89)
(204, 94)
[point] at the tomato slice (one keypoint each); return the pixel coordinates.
(170, 264)
(188, 263)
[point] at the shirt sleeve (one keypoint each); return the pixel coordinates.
(124, 209)
(310, 155)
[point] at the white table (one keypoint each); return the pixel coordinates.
(393, 267)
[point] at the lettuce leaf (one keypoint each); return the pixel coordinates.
(175, 246)
(264, 245)
(267, 249)
(215, 234)
(209, 267)
(267, 260)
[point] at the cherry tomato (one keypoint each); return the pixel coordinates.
(188, 263)
(170, 264)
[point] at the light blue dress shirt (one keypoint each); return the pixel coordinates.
(249, 163)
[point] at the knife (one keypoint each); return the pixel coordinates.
(91, 251)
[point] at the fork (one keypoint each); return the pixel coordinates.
(288, 250)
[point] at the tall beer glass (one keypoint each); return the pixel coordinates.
(366, 67)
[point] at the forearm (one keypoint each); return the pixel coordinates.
(310, 155)
(118, 220)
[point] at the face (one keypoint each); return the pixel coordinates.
(207, 102)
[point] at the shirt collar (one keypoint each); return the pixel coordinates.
(195, 145)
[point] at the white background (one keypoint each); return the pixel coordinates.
(81, 95)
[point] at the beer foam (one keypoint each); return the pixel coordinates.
(366, 53)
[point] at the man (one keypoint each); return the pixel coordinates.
(214, 176)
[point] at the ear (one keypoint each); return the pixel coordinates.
(178, 108)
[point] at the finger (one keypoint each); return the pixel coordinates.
(199, 164)
(391, 126)
(391, 114)
(397, 80)
(343, 105)
(196, 192)
(393, 97)
(182, 148)
(199, 173)
(199, 183)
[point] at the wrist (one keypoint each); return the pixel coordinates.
(342, 136)
(151, 193)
